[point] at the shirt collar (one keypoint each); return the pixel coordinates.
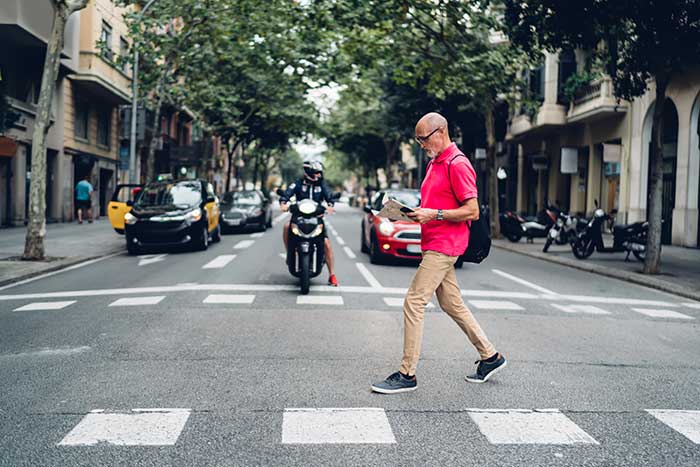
(449, 151)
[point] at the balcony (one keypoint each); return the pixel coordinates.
(595, 101)
(548, 116)
(102, 79)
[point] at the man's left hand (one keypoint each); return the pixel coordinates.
(423, 215)
(330, 210)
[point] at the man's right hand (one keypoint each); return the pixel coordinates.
(284, 207)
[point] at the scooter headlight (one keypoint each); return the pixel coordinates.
(317, 231)
(296, 231)
(307, 207)
(386, 228)
(130, 218)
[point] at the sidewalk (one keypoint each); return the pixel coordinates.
(680, 267)
(66, 244)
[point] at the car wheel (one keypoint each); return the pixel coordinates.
(363, 244)
(132, 247)
(459, 263)
(375, 255)
(202, 243)
(216, 236)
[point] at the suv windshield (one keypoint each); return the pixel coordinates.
(242, 198)
(178, 195)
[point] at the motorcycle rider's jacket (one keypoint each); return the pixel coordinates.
(302, 189)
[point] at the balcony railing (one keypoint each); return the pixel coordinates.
(602, 87)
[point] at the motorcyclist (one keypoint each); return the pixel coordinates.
(312, 186)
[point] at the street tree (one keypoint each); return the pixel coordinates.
(36, 228)
(639, 42)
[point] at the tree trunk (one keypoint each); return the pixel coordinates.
(231, 150)
(36, 227)
(151, 158)
(656, 159)
(491, 170)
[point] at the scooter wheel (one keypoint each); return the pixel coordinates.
(582, 248)
(640, 255)
(304, 274)
(547, 244)
(514, 237)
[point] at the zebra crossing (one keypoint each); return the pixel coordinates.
(359, 425)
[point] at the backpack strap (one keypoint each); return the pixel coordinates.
(449, 180)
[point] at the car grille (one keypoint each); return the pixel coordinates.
(233, 215)
(408, 235)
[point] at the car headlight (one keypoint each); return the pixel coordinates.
(386, 228)
(130, 218)
(194, 215)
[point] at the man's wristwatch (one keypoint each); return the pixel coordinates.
(439, 215)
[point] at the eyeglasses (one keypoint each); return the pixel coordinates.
(423, 139)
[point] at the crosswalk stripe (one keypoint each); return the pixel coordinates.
(41, 306)
(685, 422)
(141, 427)
(319, 300)
(222, 298)
(137, 301)
(594, 310)
(547, 426)
(243, 244)
(336, 426)
(219, 262)
(495, 305)
(693, 305)
(397, 301)
(257, 235)
(661, 313)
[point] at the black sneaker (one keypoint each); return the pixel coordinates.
(485, 370)
(395, 383)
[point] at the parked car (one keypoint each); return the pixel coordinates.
(173, 213)
(121, 202)
(248, 209)
(384, 239)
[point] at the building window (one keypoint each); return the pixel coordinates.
(123, 52)
(82, 117)
(567, 68)
(104, 125)
(106, 40)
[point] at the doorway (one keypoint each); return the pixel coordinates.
(106, 188)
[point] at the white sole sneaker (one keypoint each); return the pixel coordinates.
(486, 378)
(393, 391)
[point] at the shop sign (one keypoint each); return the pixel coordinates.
(8, 147)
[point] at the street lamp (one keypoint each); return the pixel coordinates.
(135, 101)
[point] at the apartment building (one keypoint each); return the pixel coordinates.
(593, 149)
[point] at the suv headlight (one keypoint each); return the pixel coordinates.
(194, 215)
(130, 218)
(386, 228)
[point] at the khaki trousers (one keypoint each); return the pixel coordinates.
(436, 274)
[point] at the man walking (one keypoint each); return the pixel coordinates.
(83, 192)
(448, 200)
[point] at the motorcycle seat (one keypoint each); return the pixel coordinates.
(628, 227)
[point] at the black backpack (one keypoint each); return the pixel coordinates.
(479, 239)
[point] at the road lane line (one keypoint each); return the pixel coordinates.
(661, 313)
(319, 300)
(398, 302)
(44, 306)
(257, 235)
(339, 240)
(349, 252)
(243, 244)
(373, 282)
(685, 422)
(280, 218)
(233, 299)
(48, 352)
(524, 282)
(219, 262)
(495, 305)
(590, 309)
(336, 426)
(138, 301)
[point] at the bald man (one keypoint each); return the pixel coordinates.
(448, 202)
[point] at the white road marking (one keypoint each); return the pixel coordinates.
(283, 255)
(524, 282)
(243, 244)
(336, 426)
(319, 300)
(53, 273)
(612, 300)
(349, 252)
(138, 301)
(142, 427)
(685, 422)
(280, 218)
(661, 313)
(145, 260)
(529, 427)
(339, 240)
(49, 352)
(240, 299)
(687, 304)
(495, 305)
(594, 310)
(499, 294)
(373, 282)
(40, 306)
(398, 302)
(257, 235)
(219, 262)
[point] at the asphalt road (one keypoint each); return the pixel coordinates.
(600, 372)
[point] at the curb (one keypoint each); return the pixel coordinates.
(59, 265)
(627, 276)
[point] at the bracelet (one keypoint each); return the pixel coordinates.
(439, 214)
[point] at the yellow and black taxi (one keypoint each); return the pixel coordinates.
(173, 213)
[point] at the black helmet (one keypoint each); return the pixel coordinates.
(312, 170)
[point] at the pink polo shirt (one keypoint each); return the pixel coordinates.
(450, 238)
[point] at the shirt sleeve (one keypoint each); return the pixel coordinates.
(326, 194)
(463, 179)
(289, 192)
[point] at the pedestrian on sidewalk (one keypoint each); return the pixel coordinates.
(83, 193)
(448, 201)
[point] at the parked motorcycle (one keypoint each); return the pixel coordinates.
(515, 227)
(631, 238)
(563, 231)
(305, 246)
